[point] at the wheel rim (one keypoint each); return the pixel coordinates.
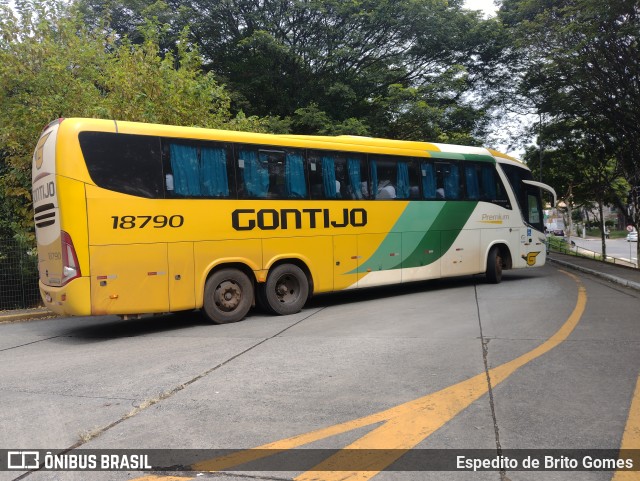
(228, 295)
(287, 289)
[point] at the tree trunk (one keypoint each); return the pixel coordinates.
(603, 229)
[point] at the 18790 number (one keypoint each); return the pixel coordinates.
(142, 221)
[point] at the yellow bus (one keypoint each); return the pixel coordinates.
(136, 218)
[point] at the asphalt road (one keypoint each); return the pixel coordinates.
(546, 359)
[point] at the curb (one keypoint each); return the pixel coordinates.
(602, 275)
(26, 315)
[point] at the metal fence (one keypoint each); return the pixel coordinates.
(565, 248)
(18, 275)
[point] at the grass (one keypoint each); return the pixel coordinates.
(559, 244)
(614, 234)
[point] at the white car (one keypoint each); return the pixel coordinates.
(632, 236)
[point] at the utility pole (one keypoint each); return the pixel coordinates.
(570, 213)
(540, 143)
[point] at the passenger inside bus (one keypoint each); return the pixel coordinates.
(386, 190)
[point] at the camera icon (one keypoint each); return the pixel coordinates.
(23, 460)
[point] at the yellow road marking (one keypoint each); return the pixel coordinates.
(631, 436)
(404, 426)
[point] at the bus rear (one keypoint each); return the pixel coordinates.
(63, 277)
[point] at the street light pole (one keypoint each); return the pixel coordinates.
(540, 143)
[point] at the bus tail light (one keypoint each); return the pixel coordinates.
(70, 264)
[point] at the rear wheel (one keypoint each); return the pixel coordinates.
(228, 295)
(494, 266)
(286, 290)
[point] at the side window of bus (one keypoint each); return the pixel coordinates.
(472, 181)
(482, 183)
(271, 174)
(354, 177)
(198, 169)
(448, 181)
(395, 177)
(337, 175)
(491, 187)
(515, 176)
(130, 164)
(429, 181)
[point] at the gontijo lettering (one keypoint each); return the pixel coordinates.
(44, 192)
(272, 219)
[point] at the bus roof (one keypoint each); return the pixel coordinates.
(350, 143)
(199, 133)
(451, 151)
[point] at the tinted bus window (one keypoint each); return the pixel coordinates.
(337, 175)
(271, 174)
(448, 181)
(395, 177)
(429, 181)
(482, 183)
(130, 164)
(198, 169)
(516, 175)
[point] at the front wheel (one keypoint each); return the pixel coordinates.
(494, 266)
(286, 290)
(228, 295)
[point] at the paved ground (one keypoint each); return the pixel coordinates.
(456, 363)
(626, 276)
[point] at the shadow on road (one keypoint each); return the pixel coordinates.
(97, 329)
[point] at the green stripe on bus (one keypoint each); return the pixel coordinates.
(479, 158)
(440, 223)
(446, 155)
(456, 156)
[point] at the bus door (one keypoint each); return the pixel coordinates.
(532, 241)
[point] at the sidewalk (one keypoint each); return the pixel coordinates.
(25, 314)
(625, 276)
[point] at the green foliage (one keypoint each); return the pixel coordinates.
(52, 65)
(580, 65)
(334, 66)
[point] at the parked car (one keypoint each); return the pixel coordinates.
(632, 236)
(558, 232)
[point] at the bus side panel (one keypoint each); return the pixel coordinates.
(463, 257)
(345, 262)
(129, 279)
(315, 252)
(381, 268)
(209, 254)
(421, 253)
(533, 251)
(181, 276)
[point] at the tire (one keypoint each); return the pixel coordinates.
(228, 295)
(494, 266)
(286, 290)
